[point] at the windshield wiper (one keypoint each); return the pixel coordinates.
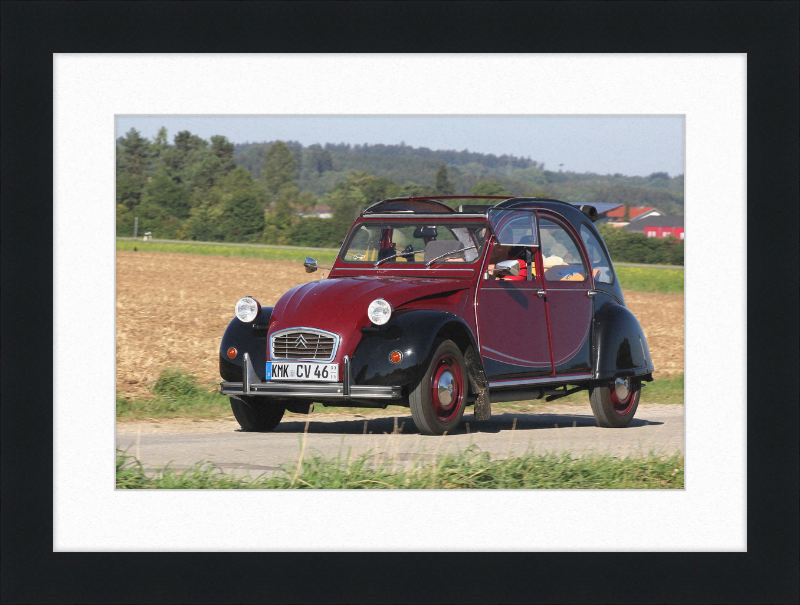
(430, 262)
(403, 253)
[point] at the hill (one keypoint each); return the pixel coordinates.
(322, 167)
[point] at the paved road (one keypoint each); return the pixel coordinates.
(657, 427)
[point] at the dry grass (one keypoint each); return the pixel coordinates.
(661, 317)
(172, 310)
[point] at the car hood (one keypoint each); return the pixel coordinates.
(340, 304)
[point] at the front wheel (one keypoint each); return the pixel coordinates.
(437, 403)
(614, 402)
(256, 414)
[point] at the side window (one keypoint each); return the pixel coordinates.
(598, 258)
(513, 227)
(519, 253)
(517, 231)
(560, 254)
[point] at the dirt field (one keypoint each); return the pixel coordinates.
(172, 310)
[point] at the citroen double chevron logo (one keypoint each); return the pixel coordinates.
(300, 342)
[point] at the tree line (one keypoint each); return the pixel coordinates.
(214, 190)
(192, 189)
(321, 167)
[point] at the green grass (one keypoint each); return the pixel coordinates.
(646, 279)
(639, 279)
(470, 470)
(323, 257)
(663, 390)
(178, 394)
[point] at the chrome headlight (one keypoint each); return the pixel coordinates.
(379, 311)
(247, 309)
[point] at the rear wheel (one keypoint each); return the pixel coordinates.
(614, 402)
(437, 403)
(256, 414)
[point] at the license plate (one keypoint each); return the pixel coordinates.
(324, 372)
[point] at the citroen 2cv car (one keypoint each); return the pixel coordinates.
(438, 309)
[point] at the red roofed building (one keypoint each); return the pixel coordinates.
(636, 213)
(659, 226)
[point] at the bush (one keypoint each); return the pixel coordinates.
(317, 233)
(628, 247)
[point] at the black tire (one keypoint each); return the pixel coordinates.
(611, 410)
(256, 414)
(437, 412)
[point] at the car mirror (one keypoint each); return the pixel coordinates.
(507, 267)
(311, 265)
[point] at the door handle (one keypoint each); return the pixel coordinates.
(540, 293)
(591, 293)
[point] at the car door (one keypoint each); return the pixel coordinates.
(568, 286)
(511, 316)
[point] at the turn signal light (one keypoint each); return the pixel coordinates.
(395, 356)
(231, 352)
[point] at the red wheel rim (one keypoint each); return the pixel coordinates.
(623, 402)
(447, 395)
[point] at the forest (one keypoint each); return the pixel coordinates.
(217, 191)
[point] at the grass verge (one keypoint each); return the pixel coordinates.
(646, 279)
(323, 257)
(469, 470)
(178, 394)
(639, 279)
(662, 390)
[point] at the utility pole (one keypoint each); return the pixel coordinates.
(135, 226)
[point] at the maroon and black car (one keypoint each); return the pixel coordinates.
(438, 309)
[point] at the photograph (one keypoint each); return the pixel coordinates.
(415, 302)
(394, 302)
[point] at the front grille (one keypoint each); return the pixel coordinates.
(303, 343)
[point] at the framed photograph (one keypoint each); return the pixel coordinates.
(741, 136)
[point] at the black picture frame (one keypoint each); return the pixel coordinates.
(766, 31)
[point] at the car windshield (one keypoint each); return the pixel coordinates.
(437, 243)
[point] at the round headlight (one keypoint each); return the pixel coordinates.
(379, 311)
(247, 309)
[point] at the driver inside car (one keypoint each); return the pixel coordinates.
(501, 253)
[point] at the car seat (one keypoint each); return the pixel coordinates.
(438, 247)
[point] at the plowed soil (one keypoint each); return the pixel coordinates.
(172, 310)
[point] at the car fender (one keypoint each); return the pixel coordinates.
(245, 337)
(413, 333)
(619, 346)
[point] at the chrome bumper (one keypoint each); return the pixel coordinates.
(250, 385)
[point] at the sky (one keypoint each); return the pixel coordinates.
(629, 145)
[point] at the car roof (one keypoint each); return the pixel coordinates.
(435, 205)
(424, 205)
